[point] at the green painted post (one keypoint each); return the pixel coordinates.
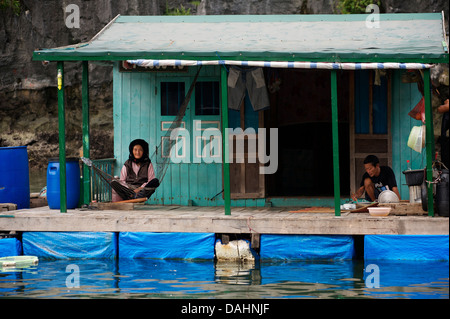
(86, 147)
(335, 134)
(429, 137)
(225, 148)
(62, 138)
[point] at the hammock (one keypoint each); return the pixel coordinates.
(127, 191)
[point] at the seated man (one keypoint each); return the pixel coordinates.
(375, 180)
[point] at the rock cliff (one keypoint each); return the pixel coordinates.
(28, 100)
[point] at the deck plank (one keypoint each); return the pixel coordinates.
(213, 219)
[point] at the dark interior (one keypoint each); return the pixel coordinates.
(301, 109)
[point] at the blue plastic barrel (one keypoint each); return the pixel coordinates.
(72, 183)
(14, 176)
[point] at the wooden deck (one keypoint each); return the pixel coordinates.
(261, 220)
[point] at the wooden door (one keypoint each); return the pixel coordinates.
(370, 121)
(245, 178)
(193, 161)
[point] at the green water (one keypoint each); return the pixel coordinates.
(147, 278)
(38, 180)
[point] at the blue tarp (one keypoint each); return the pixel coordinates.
(303, 247)
(406, 247)
(63, 245)
(10, 247)
(166, 245)
(407, 276)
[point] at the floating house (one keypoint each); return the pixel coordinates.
(327, 91)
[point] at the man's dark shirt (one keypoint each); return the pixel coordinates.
(384, 181)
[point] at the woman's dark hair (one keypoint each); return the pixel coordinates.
(372, 159)
(145, 156)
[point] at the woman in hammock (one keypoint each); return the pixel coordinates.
(137, 177)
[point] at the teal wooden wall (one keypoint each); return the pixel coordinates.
(404, 97)
(137, 115)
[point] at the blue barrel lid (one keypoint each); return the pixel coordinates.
(12, 147)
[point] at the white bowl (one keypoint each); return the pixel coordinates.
(379, 211)
(348, 206)
(388, 196)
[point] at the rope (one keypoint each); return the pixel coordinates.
(127, 191)
(439, 172)
(161, 161)
(248, 225)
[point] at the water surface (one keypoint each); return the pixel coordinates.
(148, 278)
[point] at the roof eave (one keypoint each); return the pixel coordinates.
(70, 55)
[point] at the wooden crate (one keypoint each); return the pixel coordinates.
(122, 205)
(6, 207)
(405, 208)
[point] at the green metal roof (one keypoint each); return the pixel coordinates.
(343, 38)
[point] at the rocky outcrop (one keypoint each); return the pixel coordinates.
(28, 100)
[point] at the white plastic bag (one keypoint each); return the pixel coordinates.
(416, 139)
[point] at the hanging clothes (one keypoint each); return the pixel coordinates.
(251, 80)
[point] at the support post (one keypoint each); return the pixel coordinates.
(62, 138)
(225, 146)
(429, 137)
(335, 136)
(86, 146)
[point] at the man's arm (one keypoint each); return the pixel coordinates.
(358, 193)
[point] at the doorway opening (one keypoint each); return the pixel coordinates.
(301, 110)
